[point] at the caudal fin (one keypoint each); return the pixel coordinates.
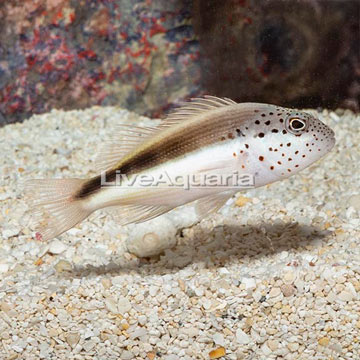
(53, 207)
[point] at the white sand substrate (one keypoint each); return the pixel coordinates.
(275, 274)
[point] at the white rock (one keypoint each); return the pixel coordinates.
(171, 357)
(111, 305)
(224, 271)
(17, 348)
(289, 277)
(272, 344)
(142, 319)
(288, 290)
(249, 283)
(57, 247)
(354, 201)
(4, 267)
(153, 290)
(293, 346)
(154, 236)
(139, 332)
(43, 330)
(72, 339)
(274, 292)
(124, 305)
(74, 231)
(63, 265)
(350, 287)
(206, 303)
(10, 232)
(219, 339)
(117, 281)
(331, 296)
(345, 296)
(257, 295)
(199, 291)
(127, 355)
(4, 196)
(241, 337)
(265, 349)
(88, 334)
(191, 332)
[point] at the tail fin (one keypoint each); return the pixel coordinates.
(53, 205)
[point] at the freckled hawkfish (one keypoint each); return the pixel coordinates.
(206, 136)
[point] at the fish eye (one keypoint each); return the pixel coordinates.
(296, 125)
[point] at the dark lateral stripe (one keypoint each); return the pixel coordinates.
(90, 187)
(188, 139)
(157, 154)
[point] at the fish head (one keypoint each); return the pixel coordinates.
(285, 141)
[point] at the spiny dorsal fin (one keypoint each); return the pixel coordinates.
(196, 106)
(123, 139)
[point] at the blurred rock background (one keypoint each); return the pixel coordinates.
(146, 55)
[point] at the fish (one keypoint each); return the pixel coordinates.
(205, 138)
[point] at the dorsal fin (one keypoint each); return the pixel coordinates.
(196, 106)
(126, 137)
(123, 139)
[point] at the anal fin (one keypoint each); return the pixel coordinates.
(212, 203)
(134, 214)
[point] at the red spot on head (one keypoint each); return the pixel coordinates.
(38, 236)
